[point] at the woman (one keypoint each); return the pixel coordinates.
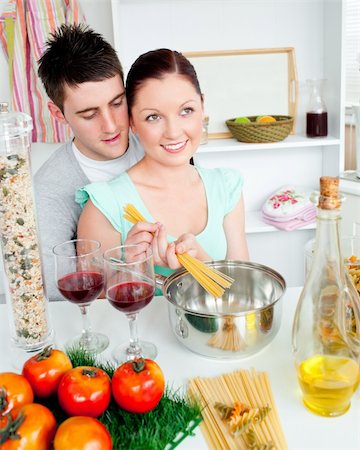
(189, 209)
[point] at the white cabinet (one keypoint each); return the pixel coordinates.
(314, 29)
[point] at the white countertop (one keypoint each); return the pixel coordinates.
(303, 429)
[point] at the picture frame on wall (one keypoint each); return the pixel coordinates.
(250, 82)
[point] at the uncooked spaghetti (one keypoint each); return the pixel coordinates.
(228, 337)
(212, 280)
(239, 411)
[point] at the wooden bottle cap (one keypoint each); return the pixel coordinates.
(329, 193)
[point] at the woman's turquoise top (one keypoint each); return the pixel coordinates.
(223, 189)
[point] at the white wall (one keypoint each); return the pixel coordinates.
(198, 25)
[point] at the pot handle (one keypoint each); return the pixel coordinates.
(181, 329)
(160, 280)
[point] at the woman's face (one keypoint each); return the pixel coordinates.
(167, 115)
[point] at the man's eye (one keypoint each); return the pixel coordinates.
(187, 111)
(117, 104)
(89, 117)
(152, 118)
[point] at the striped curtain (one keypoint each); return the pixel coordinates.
(25, 25)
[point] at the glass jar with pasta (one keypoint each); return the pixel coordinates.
(30, 328)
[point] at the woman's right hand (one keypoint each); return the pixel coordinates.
(142, 234)
(165, 253)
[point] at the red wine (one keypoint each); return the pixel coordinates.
(81, 287)
(316, 124)
(131, 296)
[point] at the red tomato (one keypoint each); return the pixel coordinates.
(15, 390)
(138, 385)
(81, 433)
(44, 371)
(84, 391)
(30, 427)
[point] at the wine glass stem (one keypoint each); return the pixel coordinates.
(85, 333)
(134, 350)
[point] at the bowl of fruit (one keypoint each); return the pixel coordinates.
(258, 129)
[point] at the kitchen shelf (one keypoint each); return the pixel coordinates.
(292, 141)
(255, 224)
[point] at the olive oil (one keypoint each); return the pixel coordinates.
(328, 383)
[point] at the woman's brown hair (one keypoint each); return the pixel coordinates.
(157, 64)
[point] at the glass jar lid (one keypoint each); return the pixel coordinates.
(13, 124)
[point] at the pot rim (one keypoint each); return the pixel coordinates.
(176, 276)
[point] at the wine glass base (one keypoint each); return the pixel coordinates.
(124, 353)
(96, 343)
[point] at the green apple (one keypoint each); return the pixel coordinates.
(242, 120)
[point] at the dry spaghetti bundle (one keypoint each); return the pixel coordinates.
(212, 280)
(228, 337)
(239, 411)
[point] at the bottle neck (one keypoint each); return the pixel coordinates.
(328, 235)
(316, 100)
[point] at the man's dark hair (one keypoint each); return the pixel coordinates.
(75, 54)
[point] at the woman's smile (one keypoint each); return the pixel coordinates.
(175, 148)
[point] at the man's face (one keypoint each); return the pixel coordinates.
(97, 114)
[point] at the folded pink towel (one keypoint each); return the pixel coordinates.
(306, 213)
(287, 203)
(289, 208)
(291, 224)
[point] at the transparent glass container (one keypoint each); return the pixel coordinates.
(316, 113)
(26, 300)
(205, 127)
(326, 328)
(350, 249)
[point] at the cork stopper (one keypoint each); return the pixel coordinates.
(329, 193)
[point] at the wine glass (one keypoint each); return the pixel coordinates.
(80, 279)
(129, 287)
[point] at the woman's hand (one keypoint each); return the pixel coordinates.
(141, 234)
(165, 253)
(148, 234)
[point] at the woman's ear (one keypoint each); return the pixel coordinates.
(56, 112)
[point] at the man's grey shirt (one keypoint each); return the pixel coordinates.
(55, 184)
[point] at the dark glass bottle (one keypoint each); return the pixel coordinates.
(316, 115)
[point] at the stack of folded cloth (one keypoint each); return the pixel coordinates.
(289, 208)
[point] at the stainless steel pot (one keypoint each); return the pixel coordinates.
(239, 324)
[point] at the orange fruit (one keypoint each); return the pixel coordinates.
(265, 119)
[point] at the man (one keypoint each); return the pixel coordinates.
(84, 80)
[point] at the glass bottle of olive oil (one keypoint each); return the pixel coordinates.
(326, 328)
